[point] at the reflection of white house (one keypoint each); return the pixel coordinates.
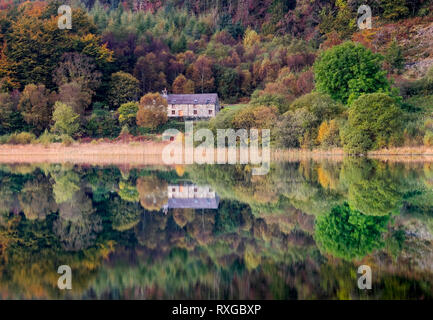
(190, 191)
(191, 196)
(192, 105)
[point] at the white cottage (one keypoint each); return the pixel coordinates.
(192, 105)
(190, 196)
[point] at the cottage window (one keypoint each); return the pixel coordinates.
(195, 111)
(173, 111)
(210, 111)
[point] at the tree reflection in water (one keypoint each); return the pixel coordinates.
(299, 232)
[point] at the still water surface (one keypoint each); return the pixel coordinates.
(217, 232)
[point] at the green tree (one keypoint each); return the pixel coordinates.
(373, 188)
(394, 9)
(102, 123)
(180, 45)
(342, 21)
(127, 114)
(394, 58)
(77, 226)
(123, 88)
(292, 127)
(66, 121)
(348, 70)
(128, 192)
(229, 216)
(260, 98)
(319, 104)
(125, 215)
(11, 119)
(228, 84)
(67, 183)
(375, 121)
(349, 234)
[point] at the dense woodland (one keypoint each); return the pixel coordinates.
(301, 68)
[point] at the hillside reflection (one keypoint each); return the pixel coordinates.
(217, 232)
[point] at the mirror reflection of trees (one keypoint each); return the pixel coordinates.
(299, 231)
(348, 233)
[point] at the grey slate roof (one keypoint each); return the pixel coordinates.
(205, 98)
(196, 203)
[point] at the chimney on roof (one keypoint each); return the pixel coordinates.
(165, 93)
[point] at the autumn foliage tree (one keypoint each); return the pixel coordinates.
(36, 106)
(201, 73)
(153, 192)
(77, 67)
(152, 111)
(35, 44)
(149, 70)
(260, 117)
(251, 38)
(72, 94)
(182, 85)
(77, 79)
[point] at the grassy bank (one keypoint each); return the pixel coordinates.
(146, 153)
(149, 153)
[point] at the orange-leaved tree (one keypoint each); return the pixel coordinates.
(152, 111)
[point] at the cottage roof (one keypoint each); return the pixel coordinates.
(205, 98)
(196, 203)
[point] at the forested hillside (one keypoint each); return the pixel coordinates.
(88, 81)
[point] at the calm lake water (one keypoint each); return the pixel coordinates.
(216, 232)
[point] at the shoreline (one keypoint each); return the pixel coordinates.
(149, 153)
(134, 153)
